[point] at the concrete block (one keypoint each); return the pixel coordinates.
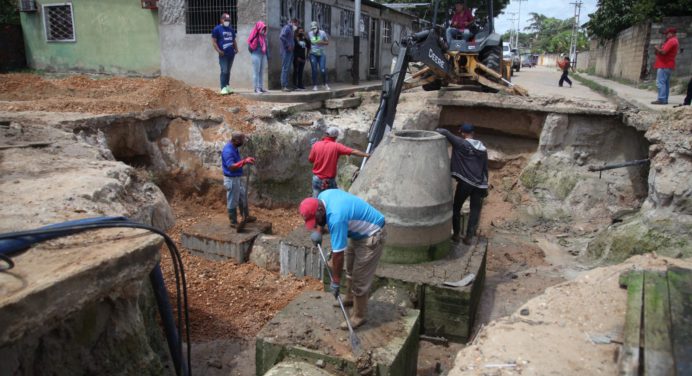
(342, 103)
(215, 239)
(298, 256)
(293, 368)
(265, 252)
(307, 330)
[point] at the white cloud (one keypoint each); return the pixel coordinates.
(560, 9)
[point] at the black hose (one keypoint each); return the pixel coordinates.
(179, 272)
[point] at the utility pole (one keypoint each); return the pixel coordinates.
(512, 29)
(575, 34)
(516, 44)
(355, 66)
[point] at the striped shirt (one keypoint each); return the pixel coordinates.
(349, 216)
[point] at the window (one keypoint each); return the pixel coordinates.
(387, 31)
(292, 9)
(322, 13)
(364, 26)
(346, 23)
(201, 16)
(59, 23)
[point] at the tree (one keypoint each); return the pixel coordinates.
(9, 14)
(550, 35)
(426, 12)
(613, 16)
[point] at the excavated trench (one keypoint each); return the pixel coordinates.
(538, 173)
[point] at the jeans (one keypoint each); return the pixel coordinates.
(465, 190)
(236, 195)
(257, 67)
(663, 83)
(298, 68)
(286, 60)
(318, 62)
(317, 185)
(454, 33)
(564, 78)
(226, 62)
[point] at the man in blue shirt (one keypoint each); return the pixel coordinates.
(348, 217)
(287, 45)
(236, 193)
(223, 40)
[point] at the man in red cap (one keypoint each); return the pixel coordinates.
(324, 156)
(665, 63)
(348, 217)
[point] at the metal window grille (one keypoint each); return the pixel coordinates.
(346, 23)
(364, 26)
(58, 22)
(322, 14)
(292, 9)
(387, 31)
(201, 16)
(27, 6)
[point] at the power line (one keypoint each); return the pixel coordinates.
(575, 33)
(516, 44)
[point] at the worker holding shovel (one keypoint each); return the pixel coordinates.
(348, 217)
(236, 191)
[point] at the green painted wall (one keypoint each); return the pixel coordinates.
(112, 36)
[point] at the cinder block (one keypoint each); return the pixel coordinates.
(298, 256)
(216, 240)
(307, 330)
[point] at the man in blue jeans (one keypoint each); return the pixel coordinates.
(287, 46)
(236, 192)
(665, 63)
(223, 40)
(318, 56)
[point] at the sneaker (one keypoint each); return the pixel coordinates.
(314, 88)
(258, 91)
(224, 91)
(658, 102)
(326, 87)
(285, 89)
(262, 90)
(230, 91)
(570, 85)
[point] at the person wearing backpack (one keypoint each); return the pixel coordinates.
(257, 46)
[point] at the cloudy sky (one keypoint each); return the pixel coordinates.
(560, 9)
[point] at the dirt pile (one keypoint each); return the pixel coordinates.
(560, 331)
(113, 95)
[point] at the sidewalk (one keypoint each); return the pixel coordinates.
(338, 90)
(637, 97)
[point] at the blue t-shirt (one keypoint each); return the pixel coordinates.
(224, 39)
(349, 216)
(230, 156)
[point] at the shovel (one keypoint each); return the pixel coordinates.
(355, 341)
(241, 224)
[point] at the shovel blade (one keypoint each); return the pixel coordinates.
(355, 343)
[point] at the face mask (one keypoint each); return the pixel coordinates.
(226, 23)
(295, 27)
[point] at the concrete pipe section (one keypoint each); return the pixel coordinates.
(408, 180)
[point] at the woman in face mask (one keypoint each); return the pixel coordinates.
(300, 55)
(257, 45)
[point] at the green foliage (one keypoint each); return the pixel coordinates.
(549, 35)
(613, 16)
(426, 12)
(9, 14)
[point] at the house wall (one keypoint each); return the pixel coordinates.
(120, 38)
(191, 58)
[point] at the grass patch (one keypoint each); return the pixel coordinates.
(593, 85)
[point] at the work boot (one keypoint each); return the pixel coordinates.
(348, 298)
(456, 238)
(467, 239)
(247, 217)
(360, 310)
(233, 217)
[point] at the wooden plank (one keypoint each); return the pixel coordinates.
(629, 356)
(658, 350)
(680, 290)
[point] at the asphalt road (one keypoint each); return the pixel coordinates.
(543, 82)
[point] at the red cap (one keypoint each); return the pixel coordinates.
(670, 30)
(307, 209)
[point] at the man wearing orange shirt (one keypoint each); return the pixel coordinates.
(665, 63)
(324, 156)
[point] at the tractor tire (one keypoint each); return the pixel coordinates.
(432, 86)
(491, 57)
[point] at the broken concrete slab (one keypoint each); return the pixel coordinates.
(265, 252)
(295, 368)
(299, 256)
(342, 103)
(446, 311)
(307, 330)
(215, 239)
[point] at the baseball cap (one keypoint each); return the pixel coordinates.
(313, 25)
(307, 209)
(670, 30)
(332, 132)
(467, 128)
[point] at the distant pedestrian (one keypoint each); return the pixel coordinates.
(300, 56)
(470, 170)
(665, 63)
(324, 156)
(257, 45)
(287, 45)
(236, 191)
(223, 40)
(565, 66)
(318, 56)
